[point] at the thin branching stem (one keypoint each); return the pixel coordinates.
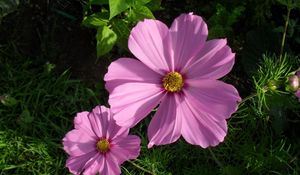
(141, 168)
(248, 98)
(285, 30)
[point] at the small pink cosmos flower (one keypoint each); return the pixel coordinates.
(98, 144)
(176, 69)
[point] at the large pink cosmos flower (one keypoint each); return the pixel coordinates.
(98, 144)
(177, 70)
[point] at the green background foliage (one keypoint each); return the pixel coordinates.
(114, 22)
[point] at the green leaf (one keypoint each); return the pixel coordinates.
(49, 67)
(117, 6)
(7, 100)
(235, 14)
(139, 13)
(218, 31)
(154, 5)
(221, 22)
(143, 12)
(98, 2)
(122, 30)
(25, 117)
(141, 2)
(95, 20)
(106, 38)
(285, 2)
(279, 29)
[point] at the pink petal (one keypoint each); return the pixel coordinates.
(126, 148)
(111, 167)
(99, 119)
(188, 34)
(78, 142)
(212, 97)
(148, 41)
(82, 122)
(126, 70)
(104, 125)
(131, 102)
(116, 131)
(215, 60)
(94, 165)
(199, 128)
(76, 164)
(165, 126)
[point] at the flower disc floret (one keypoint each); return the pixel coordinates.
(173, 82)
(103, 145)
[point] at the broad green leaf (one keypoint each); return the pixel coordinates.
(143, 12)
(121, 28)
(141, 2)
(154, 5)
(98, 2)
(139, 13)
(117, 6)
(106, 39)
(95, 20)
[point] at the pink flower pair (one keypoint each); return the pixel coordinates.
(176, 70)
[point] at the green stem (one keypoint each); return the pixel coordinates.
(285, 30)
(247, 98)
(141, 168)
(215, 158)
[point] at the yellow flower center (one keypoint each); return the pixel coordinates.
(103, 145)
(173, 82)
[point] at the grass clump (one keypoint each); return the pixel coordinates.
(36, 110)
(28, 155)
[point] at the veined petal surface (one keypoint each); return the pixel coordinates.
(149, 42)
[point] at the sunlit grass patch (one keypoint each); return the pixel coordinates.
(37, 108)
